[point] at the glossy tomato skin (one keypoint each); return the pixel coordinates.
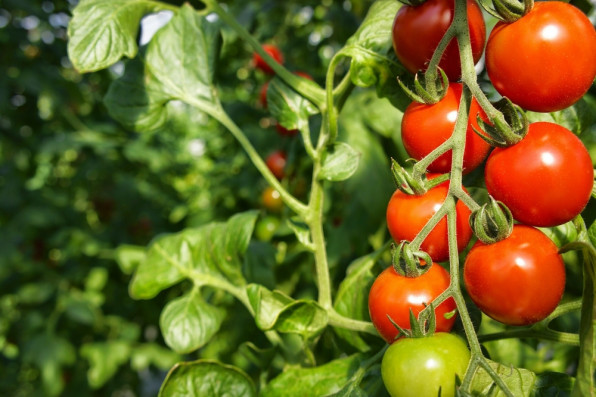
(427, 23)
(407, 215)
(271, 199)
(517, 281)
(425, 127)
(394, 295)
(546, 179)
(545, 61)
(419, 367)
(260, 63)
(276, 162)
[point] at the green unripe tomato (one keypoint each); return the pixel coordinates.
(419, 367)
(266, 227)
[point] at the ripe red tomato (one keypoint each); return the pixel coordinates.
(546, 179)
(276, 162)
(420, 367)
(260, 63)
(517, 281)
(407, 214)
(263, 95)
(283, 131)
(425, 127)
(546, 60)
(394, 295)
(271, 199)
(417, 31)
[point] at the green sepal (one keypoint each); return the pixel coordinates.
(492, 222)
(425, 95)
(507, 131)
(409, 263)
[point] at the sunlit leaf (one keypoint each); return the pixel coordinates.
(206, 378)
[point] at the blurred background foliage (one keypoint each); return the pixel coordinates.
(75, 185)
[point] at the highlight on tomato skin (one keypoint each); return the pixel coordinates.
(394, 295)
(546, 60)
(407, 214)
(546, 179)
(427, 23)
(517, 281)
(420, 367)
(425, 127)
(259, 62)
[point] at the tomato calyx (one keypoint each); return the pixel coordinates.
(433, 90)
(492, 222)
(507, 131)
(408, 262)
(421, 327)
(510, 10)
(414, 183)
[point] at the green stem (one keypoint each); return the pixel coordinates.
(337, 320)
(310, 91)
(315, 222)
(294, 204)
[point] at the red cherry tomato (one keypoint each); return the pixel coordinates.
(263, 95)
(417, 31)
(260, 63)
(407, 215)
(546, 179)
(425, 127)
(546, 60)
(394, 295)
(282, 131)
(276, 162)
(517, 281)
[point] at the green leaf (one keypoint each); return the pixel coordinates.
(206, 378)
(319, 381)
(187, 323)
(103, 31)
(35, 293)
(578, 118)
(208, 255)
(178, 65)
(289, 108)
(275, 310)
(340, 163)
(146, 354)
(104, 360)
(351, 299)
(129, 257)
(520, 381)
(49, 353)
(371, 49)
(553, 384)
(301, 230)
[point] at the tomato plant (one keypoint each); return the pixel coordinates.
(546, 60)
(425, 127)
(276, 162)
(517, 281)
(392, 296)
(428, 22)
(258, 302)
(260, 63)
(407, 215)
(546, 179)
(416, 367)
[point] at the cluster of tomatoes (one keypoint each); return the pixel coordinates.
(544, 61)
(277, 160)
